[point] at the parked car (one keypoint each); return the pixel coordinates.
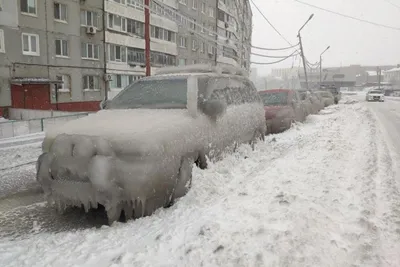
(282, 108)
(312, 100)
(327, 98)
(337, 95)
(375, 95)
(137, 154)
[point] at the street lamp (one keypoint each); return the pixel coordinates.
(320, 66)
(301, 49)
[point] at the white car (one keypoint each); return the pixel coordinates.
(375, 95)
(136, 155)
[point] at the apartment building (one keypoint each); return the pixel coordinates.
(125, 42)
(214, 31)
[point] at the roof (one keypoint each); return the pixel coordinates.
(393, 70)
(33, 80)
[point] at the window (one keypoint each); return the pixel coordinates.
(194, 44)
(211, 12)
(202, 47)
(203, 28)
(116, 23)
(194, 5)
(162, 34)
(30, 44)
(135, 55)
(212, 30)
(211, 49)
(28, 6)
(138, 4)
(192, 25)
(182, 61)
(65, 86)
(203, 8)
(120, 1)
(194, 61)
(182, 42)
(60, 12)
(62, 48)
(90, 51)
(183, 2)
(117, 53)
(2, 46)
(90, 83)
(89, 18)
(135, 27)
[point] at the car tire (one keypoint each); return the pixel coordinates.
(183, 181)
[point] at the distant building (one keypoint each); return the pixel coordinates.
(392, 76)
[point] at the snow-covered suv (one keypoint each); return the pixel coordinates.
(137, 154)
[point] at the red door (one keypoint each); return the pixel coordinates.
(31, 96)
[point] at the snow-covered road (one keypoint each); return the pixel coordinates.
(324, 193)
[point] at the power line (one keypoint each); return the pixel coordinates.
(270, 63)
(349, 17)
(275, 49)
(393, 4)
(261, 55)
(273, 27)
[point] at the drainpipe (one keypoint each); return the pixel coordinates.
(216, 36)
(106, 83)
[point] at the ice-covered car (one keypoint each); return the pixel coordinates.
(305, 97)
(282, 108)
(375, 95)
(137, 154)
(327, 98)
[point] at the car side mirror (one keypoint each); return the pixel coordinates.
(104, 103)
(214, 108)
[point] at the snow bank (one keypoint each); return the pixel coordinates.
(316, 195)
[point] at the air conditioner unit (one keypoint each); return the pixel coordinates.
(90, 30)
(226, 25)
(107, 77)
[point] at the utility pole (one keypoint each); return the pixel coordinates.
(320, 66)
(147, 35)
(302, 51)
(378, 72)
(303, 59)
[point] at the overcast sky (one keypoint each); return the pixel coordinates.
(352, 42)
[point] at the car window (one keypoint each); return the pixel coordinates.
(376, 92)
(279, 98)
(160, 93)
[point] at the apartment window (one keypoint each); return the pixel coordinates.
(90, 82)
(194, 4)
(60, 12)
(28, 7)
(182, 62)
(116, 23)
(30, 44)
(162, 34)
(193, 25)
(138, 4)
(2, 46)
(202, 47)
(194, 61)
(183, 42)
(221, 15)
(211, 12)
(212, 30)
(90, 51)
(120, 1)
(62, 48)
(117, 53)
(183, 2)
(65, 86)
(204, 26)
(203, 8)
(194, 44)
(89, 18)
(135, 27)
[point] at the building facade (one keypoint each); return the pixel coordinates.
(69, 55)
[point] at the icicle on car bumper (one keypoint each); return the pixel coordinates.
(85, 171)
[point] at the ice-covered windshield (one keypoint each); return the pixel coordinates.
(160, 93)
(274, 98)
(375, 92)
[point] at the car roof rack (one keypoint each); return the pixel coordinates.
(202, 68)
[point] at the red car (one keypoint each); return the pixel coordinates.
(282, 108)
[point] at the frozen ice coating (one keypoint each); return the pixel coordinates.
(136, 160)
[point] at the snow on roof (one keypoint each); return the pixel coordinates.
(33, 80)
(393, 70)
